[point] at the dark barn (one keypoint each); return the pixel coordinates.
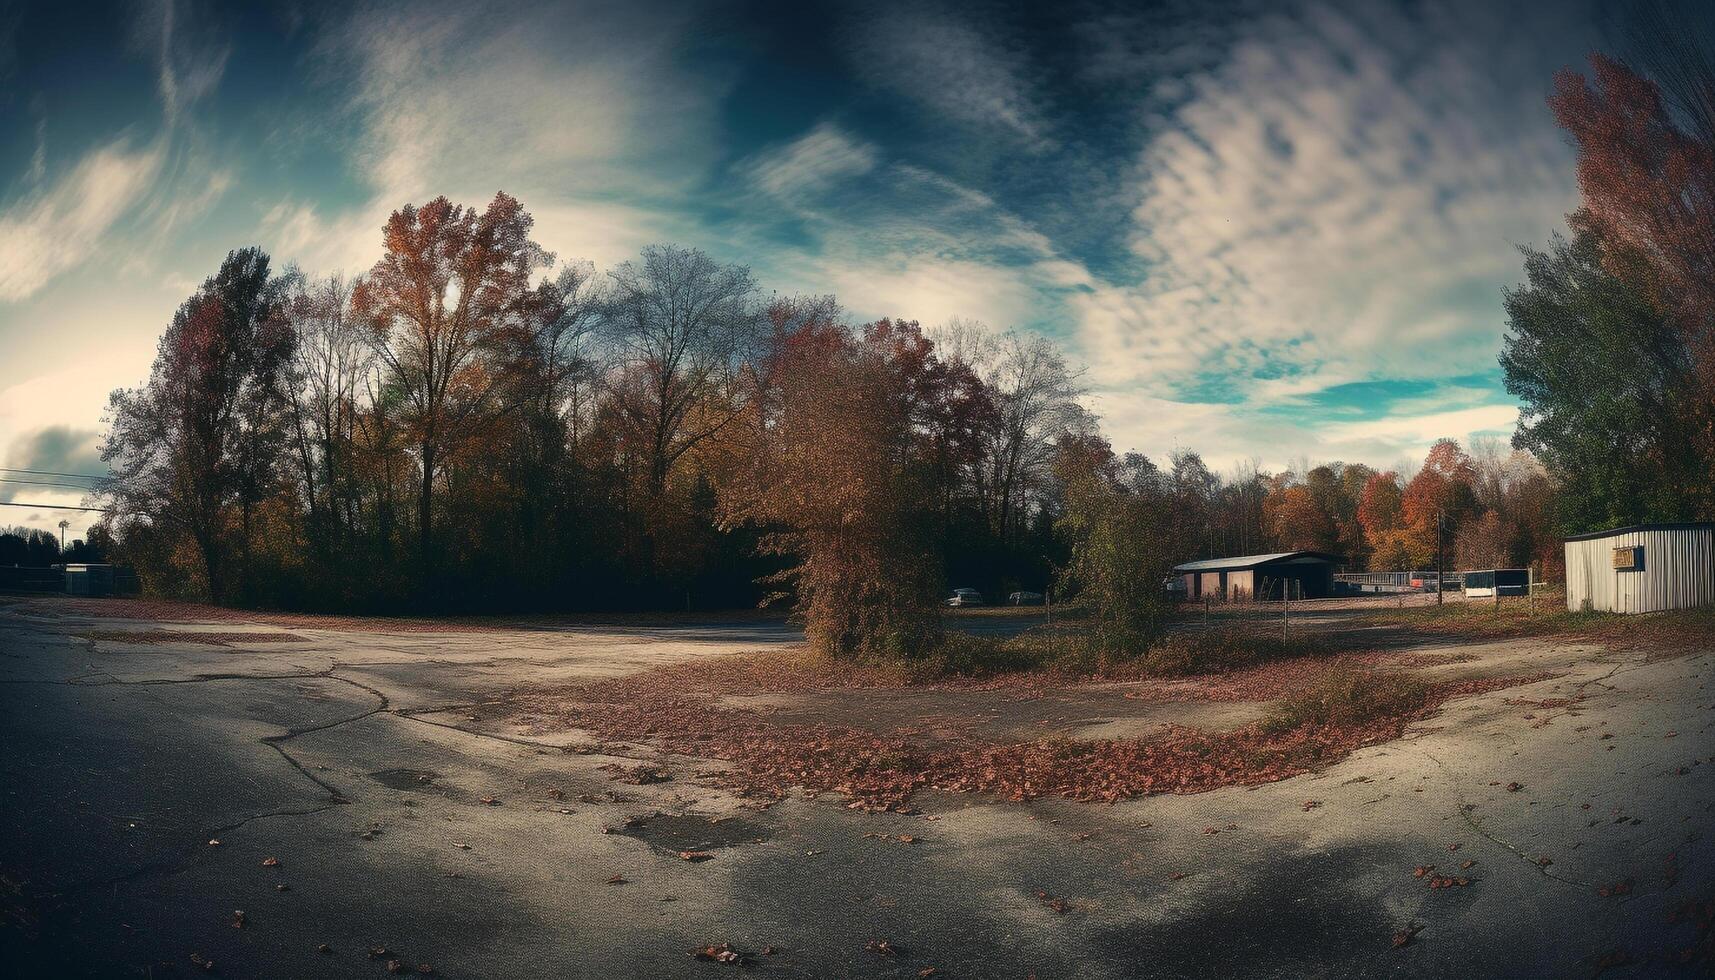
(1309, 574)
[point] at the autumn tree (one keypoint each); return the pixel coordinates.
(198, 446)
(1381, 513)
(834, 463)
(444, 306)
(1440, 494)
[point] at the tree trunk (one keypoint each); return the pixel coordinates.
(425, 511)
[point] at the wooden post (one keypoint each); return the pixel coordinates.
(1285, 607)
(1438, 561)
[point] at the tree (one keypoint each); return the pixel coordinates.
(834, 462)
(1607, 391)
(204, 436)
(1436, 500)
(1033, 394)
(1646, 166)
(1486, 541)
(332, 360)
(1300, 523)
(680, 324)
(1118, 516)
(446, 304)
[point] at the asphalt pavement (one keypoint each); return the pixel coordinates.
(333, 788)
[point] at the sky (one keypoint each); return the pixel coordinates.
(1265, 230)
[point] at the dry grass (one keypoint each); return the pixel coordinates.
(1679, 629)
(1350, 697)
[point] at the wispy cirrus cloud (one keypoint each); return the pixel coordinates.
(812, 162)
(953, 66)
(50, 231)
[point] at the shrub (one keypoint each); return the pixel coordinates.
(1217, 650)
(1349, 698)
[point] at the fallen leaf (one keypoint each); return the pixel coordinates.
(271, 862)
(695, 856)
(724, 953)
(237, 919)
(324, 949)
(1405, 936)
(617, 879)
(214, 843)
(1514, 787)
(881, 947)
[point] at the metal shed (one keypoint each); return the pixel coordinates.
(1260, 576)
(1497, 581)
(89, 580)
(1642, 568)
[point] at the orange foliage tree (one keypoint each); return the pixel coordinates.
(837, 465)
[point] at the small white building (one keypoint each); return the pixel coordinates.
(1643, 568)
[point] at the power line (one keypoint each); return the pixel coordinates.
(13, 503)
(79, 476)
(43, 483)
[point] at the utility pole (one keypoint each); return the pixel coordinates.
(63, 525)
(1438, 561)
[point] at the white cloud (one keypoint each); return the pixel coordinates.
(812, 162)
(931, 290)
(1340, 195)
(582, 112)
(47, 233)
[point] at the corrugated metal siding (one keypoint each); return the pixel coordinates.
(1678, 571)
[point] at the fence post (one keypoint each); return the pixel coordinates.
(1285, 607)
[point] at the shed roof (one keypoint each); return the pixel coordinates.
(1255, 561)
(1630, 528)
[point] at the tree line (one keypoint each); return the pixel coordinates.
(472, 425)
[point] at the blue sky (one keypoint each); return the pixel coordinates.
(1274, 230)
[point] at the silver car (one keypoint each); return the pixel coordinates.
(964, 597)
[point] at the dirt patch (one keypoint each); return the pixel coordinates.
(180, 636)
(676, 708)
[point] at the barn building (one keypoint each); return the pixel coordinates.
(1311, 574)
(1642, 568)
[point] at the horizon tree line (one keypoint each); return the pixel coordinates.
(470, 424)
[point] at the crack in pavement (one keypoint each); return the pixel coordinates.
(1465, 809)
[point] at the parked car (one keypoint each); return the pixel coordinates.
(1175, 587)
(964, 597)
(1025, 599)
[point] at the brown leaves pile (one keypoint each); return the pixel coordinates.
(677, 709)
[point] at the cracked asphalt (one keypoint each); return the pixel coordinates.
(397, 823)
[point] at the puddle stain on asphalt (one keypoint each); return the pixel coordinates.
(405, 778)
(695, 832)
